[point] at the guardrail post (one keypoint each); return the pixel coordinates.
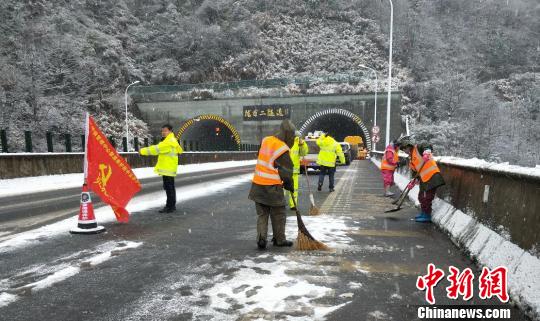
(50, 147)
(136, 143)
(83, 143)
(28, 140)
(3, 140)
(112, 141)
(124, 144)
(146, 142)
(190, 145)
(197, 145)
(184, 144)
(68, 143)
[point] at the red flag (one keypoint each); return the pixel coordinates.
(107, 173)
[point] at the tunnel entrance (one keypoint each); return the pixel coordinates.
(340, 123)
(208, 133)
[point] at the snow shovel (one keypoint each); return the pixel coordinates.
(405, 192)
(313, 210)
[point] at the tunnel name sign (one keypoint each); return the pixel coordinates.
(266, 112)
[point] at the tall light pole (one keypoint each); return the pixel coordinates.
(376, 90)
(389, 75)
(126, 103)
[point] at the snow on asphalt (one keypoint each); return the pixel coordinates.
(29, 185)
(105, 214)
(45, 275)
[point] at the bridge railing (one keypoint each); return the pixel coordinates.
(506, 199)
(13, 165)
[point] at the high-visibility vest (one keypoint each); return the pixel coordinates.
(330, 149)
(385, 165)
(296, 152)
(265, 172)
(167, 152)
(417, 164)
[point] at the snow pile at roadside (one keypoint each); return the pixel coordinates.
(488, 247)
(29, 185)
(476, 163)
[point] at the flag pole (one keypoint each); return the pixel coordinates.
(86, 129)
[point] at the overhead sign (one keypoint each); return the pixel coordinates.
(266, 112)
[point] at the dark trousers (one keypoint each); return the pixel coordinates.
(170, 190)
(330, 171)
(278, 217)
(426, 200)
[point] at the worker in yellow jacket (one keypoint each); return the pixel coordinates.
(167, 165)
(330, 150)
(298, 150)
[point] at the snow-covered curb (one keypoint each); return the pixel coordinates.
(29, 185)
(488, 247)
(475, 163)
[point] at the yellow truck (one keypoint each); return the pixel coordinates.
(358, 150)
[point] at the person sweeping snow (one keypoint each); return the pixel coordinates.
(298, 150)
(389, 164)
(273, 173)
(424, 166)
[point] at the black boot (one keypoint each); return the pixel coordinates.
(284, 243)
(261, 244)
(163, 210)
(319, 187)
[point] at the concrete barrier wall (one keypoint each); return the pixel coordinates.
(23, 165)
(508, 203)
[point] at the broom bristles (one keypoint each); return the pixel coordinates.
(305, 243)
(314, 210)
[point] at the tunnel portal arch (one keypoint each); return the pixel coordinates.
(199, 126)
(312, 121)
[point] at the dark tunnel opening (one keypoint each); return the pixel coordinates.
(208, 135)
(339, 126)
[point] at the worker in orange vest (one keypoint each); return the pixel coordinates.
(273, 173)
(389, 163)
(430, 178)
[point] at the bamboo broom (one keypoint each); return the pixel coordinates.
(304, 241)
(313, 210)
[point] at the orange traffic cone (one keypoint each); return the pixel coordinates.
(87, 220)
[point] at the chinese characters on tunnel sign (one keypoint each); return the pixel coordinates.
(491, 283)
(266, 112)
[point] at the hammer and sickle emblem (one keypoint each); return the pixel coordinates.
(104, 177)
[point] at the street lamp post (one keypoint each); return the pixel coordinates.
(126, 103)
(389, 75)
(376, 90)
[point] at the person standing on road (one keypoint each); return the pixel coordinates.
(298, 150)
(430, 178)
(167, 165)
(389, 164)
(273, 173)
(330, 151)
